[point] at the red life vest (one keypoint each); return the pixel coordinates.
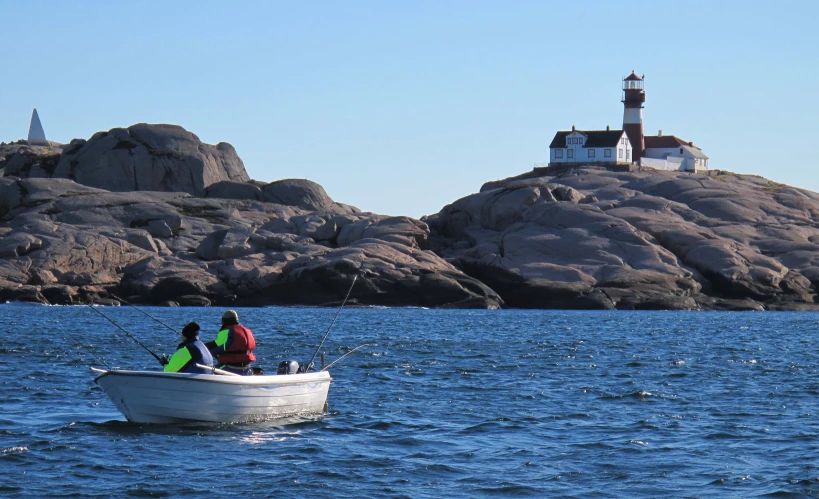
(241, 348)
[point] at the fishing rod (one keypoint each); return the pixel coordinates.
(80, 343)
(310, 364)
(157, 357)
(142, 311)
(345, 355)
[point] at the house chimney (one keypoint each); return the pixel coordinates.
(573, 128)
(660, 133)
(608, 128)
(691, 144)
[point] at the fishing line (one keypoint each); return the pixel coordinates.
(310, 364)
(142, 311)
(80, 343)
(345, 355)
(126, 333)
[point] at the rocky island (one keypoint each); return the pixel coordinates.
(150, 214)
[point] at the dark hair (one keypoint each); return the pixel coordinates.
(190, 330)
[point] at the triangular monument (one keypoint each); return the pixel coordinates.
(35, 130)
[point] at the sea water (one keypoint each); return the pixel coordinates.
(444, 403)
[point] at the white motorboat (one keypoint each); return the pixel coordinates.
(159, 397)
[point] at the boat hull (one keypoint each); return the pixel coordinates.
(158, 397)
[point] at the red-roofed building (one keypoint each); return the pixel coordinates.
(676, 154)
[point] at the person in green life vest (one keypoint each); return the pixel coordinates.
(233, 346)
(190, 353)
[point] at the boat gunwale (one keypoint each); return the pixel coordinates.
(265, 380)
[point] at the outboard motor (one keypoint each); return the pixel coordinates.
(288, 367)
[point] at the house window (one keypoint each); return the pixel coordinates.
(558, 153)
(591, 153)
(619, 153)
(628, 155)
(570, 154)
(607, 153)
(680, 150)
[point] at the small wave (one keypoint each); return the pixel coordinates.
(743, 361)
(440, 467)
(722, 436)
(14, 450)
(509, 489)
(639, 394)
(803, 481)
(381, 425)
(593, 445)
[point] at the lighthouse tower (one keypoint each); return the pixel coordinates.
(634, 96)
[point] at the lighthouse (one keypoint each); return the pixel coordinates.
(634, 96)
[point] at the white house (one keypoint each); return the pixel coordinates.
(590, 147)
(667, 152)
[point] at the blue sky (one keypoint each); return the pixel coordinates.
(403, 107)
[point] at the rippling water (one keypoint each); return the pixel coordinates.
(446, 403)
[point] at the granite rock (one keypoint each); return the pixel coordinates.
(593, 238)
(147, 157)
(69, 243)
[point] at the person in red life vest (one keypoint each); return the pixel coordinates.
(233, 346)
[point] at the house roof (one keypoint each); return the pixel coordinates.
(559, 140)
(632, 77)
(594, 138)
(695, 151)
(662, 141)
(665, 142)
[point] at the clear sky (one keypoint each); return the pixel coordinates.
(403, 107)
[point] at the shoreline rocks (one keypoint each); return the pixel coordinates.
(170, 221)
(593, 238)
(149, 214)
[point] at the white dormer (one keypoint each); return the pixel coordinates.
(575, 138)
